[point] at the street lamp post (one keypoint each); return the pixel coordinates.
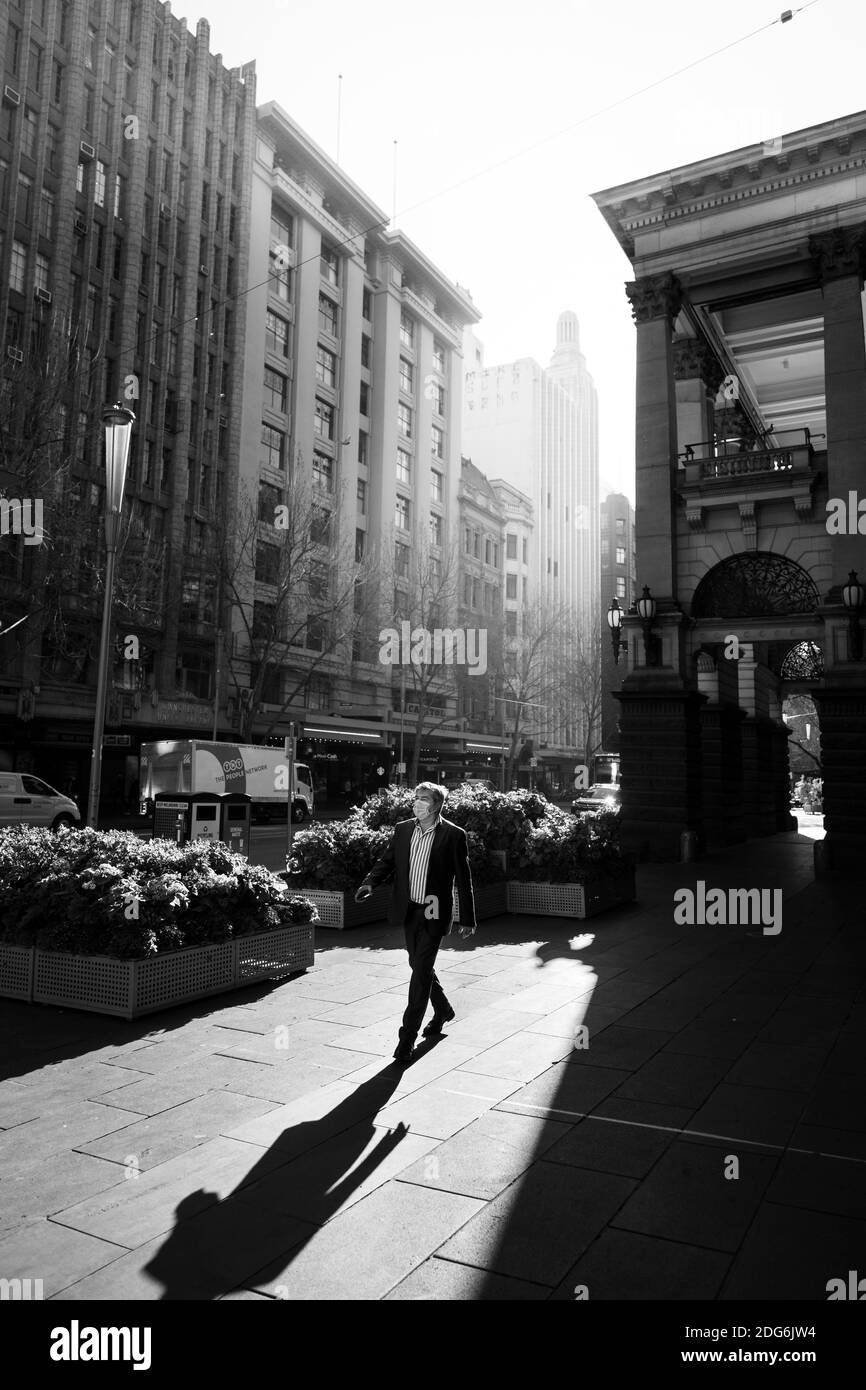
(117, 421)
(853, 595)
(614, 622)
(646, 607)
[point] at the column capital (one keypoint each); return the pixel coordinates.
(839, 252)
(693, 358)
(655, 297)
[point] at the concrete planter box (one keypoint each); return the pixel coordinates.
(339, 909)
(571, 899)
(130, 988)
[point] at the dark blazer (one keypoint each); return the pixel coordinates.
(449, 864)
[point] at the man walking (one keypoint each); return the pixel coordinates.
(425, 858)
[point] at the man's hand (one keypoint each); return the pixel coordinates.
(364, 892)
(466, 931)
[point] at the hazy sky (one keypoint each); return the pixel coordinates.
(493, 104)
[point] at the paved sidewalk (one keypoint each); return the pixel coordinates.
(708, 1143)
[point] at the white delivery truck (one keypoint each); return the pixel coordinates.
(200, 765)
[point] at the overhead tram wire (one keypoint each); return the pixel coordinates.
(785, 17)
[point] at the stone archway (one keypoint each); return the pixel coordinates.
(755, 584)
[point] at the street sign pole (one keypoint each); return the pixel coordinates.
(290, 750)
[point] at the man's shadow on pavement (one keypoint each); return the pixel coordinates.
(297, 1185)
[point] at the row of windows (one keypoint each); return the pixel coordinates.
(472, 545)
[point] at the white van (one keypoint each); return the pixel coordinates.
(27, 800)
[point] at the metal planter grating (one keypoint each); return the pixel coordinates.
(170, 979)
(339, 909)
(288, 949)
(16, 972)
(97, 983)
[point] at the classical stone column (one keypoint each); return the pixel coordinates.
(698, 375)
(721, 753)
(655, 303)
(660, 744)
(840, 257)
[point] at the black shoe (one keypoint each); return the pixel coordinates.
(438, 1021)
(403, 1052)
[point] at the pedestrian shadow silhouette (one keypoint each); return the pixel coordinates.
(299, 1183)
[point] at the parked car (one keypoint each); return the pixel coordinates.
(479, 783)
(601, 796)
(27, 800)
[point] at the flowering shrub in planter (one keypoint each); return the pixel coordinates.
(566, 849)
(109, 893)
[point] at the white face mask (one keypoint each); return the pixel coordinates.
(422, 809)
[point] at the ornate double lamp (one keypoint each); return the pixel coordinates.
(853, 596)
(614, 622)
(646, 609)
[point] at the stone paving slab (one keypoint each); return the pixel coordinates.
(486, 1025)
(563, 1022)
(57, 1133)
(792, 1254)
(56, 1255)
(312, 1119)
(838, 1104)
(622, 1265)
(713, 1039)
(317, 1186)
(520, 1057)
(157, 1139)
(568, 1087)
(780, 1067)
(610, 1145)
(376, 1009)
(39, 1096)
(668, 1079)
(282, 1085)
(439, 1279)
(538, 1226)
(487, 1156)
(152, 1095)
(754, 1114)
(140, 1209)
(365, 1252)
(34, 1193)
(688, 1198)
(820, 1184)
(446, 1105)
(202, 1258)
(621, 1046)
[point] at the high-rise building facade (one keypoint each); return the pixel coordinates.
(537, 429)
(125, 157)
(617, 582)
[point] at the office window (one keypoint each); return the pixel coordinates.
(510, 623)
(14, 55)
(438, 399)
(467, 590)
(28, 133)
(437, 441)
(366, 350)
(404, 467)
(267, 563)
(620, 555)
(476, 544)
(273, 447)
(110, 69)
(362, 497)
(327, 315)
(41, 278)
(363, 440)
(323, 424)
(25, 199)
(34, 70)
(364, 399)
(525, 584)
(367, 304)
(320, 526)
(323, 473)
(620, 526)
(525, 551)
(107, 121)
(435, 485)
(476, 592)
(330, 265)
(401, 560)
(401, 513)
(319, 579)
(511, 586)
(438, 358)
(496, 555)
(488, 550)
(17, 266)
(277, 335)
(270, 497)
(120, 196)
(511, 547)
(90, 50)
(407, 331)
(282, 230)
(435, 529)
(407, 376)
(99, 185)
(326, 367)
(404, 420)
(620, 586)
(276, 388)
(51, 150)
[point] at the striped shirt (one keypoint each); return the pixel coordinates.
(419, 860)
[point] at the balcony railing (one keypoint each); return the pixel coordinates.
(734, 458)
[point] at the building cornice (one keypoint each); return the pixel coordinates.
(834, 149)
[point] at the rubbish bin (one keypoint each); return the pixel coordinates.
(185, 816)
(235, 813)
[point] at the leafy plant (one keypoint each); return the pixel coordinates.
(109, 893)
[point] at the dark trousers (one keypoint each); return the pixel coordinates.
(423, 939)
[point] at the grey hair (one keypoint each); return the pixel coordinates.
(437, 792)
